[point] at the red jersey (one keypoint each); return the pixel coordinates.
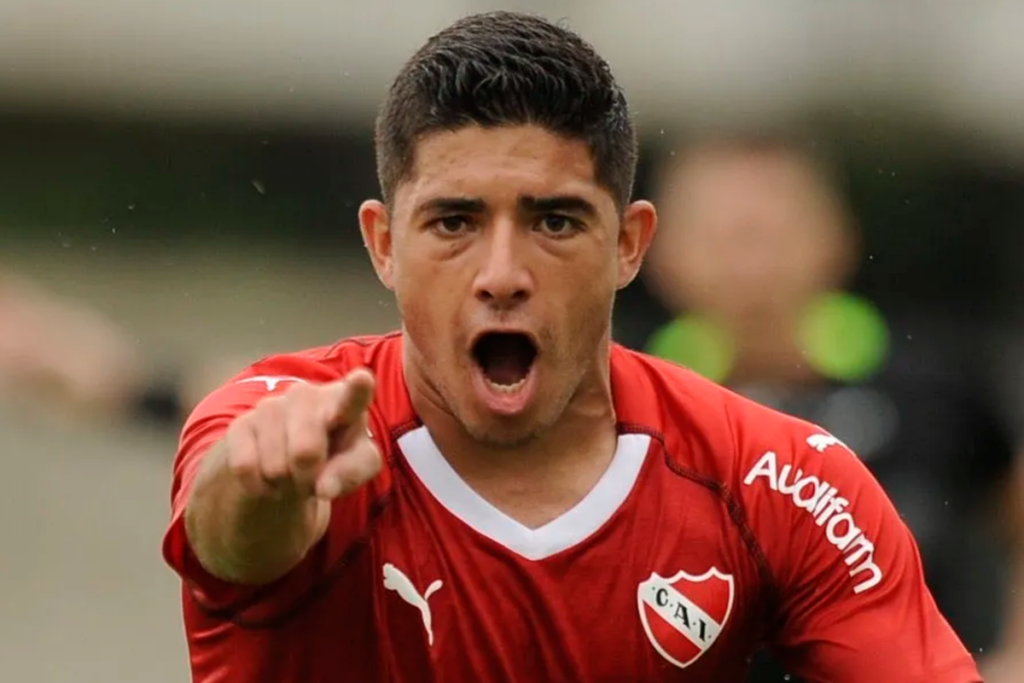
(718, 526)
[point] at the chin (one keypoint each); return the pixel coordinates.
(502, 438)
(501, 432)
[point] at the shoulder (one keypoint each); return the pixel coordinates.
(324, 363)
(782, 477)
(274, 374)
(705, 427)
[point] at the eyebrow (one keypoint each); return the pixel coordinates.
(567, 203)
(452, 205)
(555, 203)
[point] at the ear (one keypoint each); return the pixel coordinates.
(375, 224)
(639, 223)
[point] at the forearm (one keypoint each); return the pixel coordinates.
(245, 539)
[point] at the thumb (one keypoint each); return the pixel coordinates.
(357, 464)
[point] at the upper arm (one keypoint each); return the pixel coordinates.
(205, 428)
(854, 607)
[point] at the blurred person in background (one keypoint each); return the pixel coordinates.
(65, 354)
(747, 275)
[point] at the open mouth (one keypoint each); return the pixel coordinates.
(505, 359)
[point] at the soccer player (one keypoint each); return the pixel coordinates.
(498, 492)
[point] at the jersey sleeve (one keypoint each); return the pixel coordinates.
(853, 606)
(205, 427)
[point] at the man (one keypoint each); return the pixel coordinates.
(754, 252)
(498, 492)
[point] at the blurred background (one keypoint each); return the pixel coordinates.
(842, 197)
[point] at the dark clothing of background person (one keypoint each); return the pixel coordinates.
(923, 426)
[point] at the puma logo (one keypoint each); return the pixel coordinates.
(396, 581)
(822, 442)
(271, 382)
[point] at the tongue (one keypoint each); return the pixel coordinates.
(505, 369)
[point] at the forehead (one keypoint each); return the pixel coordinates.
(753, 190)
(501, 164)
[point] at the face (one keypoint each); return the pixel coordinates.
(753, 236)
(504, 255)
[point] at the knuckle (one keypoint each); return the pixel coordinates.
(242, 463)
(274, 470)
(265, 413)
(307, 401)
(239, 444)
(301, 391)
(299, 395)
(242, 425)
(307, 443)
(271, 406)
(307, 459)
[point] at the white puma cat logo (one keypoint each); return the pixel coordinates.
(821, 442)
(395, 580)
(271, 382)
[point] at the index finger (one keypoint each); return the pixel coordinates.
(351, 398)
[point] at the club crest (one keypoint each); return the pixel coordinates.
(684, 614)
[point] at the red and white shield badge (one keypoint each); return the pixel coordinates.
(683, 615)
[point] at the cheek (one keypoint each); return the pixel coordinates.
(418, 310)
(429, 312)
(589, 279)
(412, 298)
(408, 275)
(587, 310)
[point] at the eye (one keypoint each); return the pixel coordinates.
(557, 224)
(451, 225)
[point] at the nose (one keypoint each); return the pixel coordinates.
(504, 279)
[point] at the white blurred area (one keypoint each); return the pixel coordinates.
(952, 65)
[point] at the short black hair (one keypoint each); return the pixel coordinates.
(506, 68)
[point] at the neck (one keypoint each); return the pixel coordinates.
(770, 353)
(541, 478)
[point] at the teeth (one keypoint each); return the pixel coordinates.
(507, 388)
